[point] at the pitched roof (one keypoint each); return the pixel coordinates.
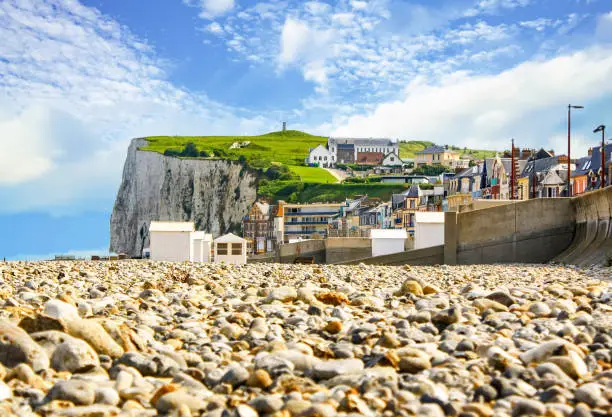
(596, 157)
(539, 165)
(229, 238)
(362, 141)
(552, 179)
(171, 227)
(435, 149)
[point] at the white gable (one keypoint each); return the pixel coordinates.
(229, 238)
(171, 227)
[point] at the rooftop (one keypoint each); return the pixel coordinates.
(171, 227)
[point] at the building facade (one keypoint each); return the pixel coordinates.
(263, 228)
(307, 221)
(437, 155)
(320, 156)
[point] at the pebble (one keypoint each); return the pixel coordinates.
(98, 339)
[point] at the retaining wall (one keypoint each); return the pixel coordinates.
(531, 231)
(592, 242)
(426, 256)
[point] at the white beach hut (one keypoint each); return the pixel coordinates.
(230, 249)
(171, 241)
(388, 241)
(428, 229)
(201, 246)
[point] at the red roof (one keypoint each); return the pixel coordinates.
(370, 158)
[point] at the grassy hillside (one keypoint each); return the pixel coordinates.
(410, 148)
(289, 148)
(313, 174)
(292, 191)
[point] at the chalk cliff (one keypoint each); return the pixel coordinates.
(215, 194)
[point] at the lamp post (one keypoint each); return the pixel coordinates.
(602, 129)
(569, 156)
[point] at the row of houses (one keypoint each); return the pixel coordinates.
(379, 152)
(537, 174)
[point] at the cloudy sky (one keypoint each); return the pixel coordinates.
(78, 79)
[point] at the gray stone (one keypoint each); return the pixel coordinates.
(16, 347)
(331, 368)
(74, 355)
(77, 391)
(267, 403)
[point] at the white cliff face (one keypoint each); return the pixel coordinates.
(216, 195)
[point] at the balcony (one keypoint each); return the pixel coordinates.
(305, 232)
(312, 213)
(303, 223)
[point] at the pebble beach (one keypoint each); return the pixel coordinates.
(139, 338)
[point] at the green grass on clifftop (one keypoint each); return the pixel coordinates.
(313, 174)
(289, 147)
(292, 191)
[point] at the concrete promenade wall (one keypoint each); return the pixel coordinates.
(332, 250)
(531, 231)
(592, 243)
(425, 256)
(340, 249)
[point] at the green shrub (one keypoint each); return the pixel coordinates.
(172, 152)
(190, 151)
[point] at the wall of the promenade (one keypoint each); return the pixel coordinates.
(531, 231)
(426, 256)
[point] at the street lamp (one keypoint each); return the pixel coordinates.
(569, 156)
(602, 129)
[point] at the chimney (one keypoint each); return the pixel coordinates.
(284, 126)
(590, 151)
(526, 153)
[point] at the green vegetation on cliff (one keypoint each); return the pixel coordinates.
(410, 148)
(288, 148)
(293, 191)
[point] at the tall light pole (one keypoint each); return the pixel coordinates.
(602, 129)
(569, 156)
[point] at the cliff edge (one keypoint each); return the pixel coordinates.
(215, 194)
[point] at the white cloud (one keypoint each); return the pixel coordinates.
(74, 90)
(485, 111)
(215, 28)
(212, 8)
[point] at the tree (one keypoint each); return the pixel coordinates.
(472, 163)
(242, 159)
(190, 150)
(172, 152)
(204, 154)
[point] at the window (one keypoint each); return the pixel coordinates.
(221, 248)
(236, 248)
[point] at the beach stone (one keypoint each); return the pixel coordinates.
(235, 376)
(267, 404)
(94, 334)
(5, 392)
(282, 294)
(74, 355)
(591, 394)
(76, 391)
(527, 407)
(174, 401)
(332, 368)
(16, 347)
(410, 287)
(447, 316)
(106, 395)
(60, 310)
(501, 297)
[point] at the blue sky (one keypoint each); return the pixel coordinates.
(79, 79)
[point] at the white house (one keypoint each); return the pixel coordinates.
(230, 249)
(428, 229)
(320, 155)
(201, 246)
(171, 241)
(388, 241)
(392, 159)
